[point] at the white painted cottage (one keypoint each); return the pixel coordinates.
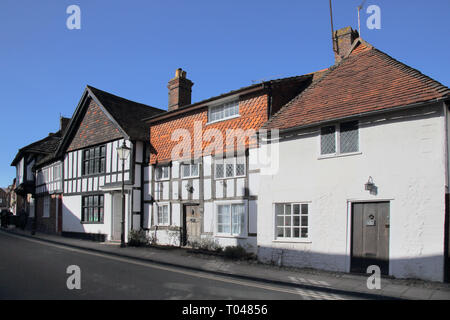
(363, 171)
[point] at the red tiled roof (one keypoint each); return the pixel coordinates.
(367, 80)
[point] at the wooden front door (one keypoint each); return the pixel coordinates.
(370, 236)
(193, 221)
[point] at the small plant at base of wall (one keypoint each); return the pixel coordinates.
(138, 238)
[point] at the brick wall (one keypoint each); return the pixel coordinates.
(95, 128)
(47, 224)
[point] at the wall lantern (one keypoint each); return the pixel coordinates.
(369, 184)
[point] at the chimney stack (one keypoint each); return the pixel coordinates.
(343, 40)
(180, 90)
(63, 123)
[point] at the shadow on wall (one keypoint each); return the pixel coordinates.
(73, 228)
(425, 268)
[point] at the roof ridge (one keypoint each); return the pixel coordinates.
(122, 98)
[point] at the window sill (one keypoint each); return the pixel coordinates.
(90, 222)
(292, 241)
(224, 119)
(192, 177)
(229, 178)
(219, 235)
(334, 155)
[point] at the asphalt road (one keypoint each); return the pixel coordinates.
(31, 269)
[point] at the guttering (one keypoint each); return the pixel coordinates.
(364, 114)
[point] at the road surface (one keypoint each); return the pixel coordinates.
(33, 269)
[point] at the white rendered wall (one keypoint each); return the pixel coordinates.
(406, 158)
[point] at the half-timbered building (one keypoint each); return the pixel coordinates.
(92, 171)
(209, 192)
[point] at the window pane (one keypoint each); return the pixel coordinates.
(296, 233)
(304, 221)
(280, 221)
(287, 220)
(349, 137)
(280, 232)
(296, 209)
(186, 170)
(230, 169)
(103, 151)
(304, 209)
(194, 170)
(240, 169)
(296, 222)
(287, 232)
(238, 218)
(304, 232)
(287, 209)
(328, 140)
(279, 209)
(219, 170)
(101, 215)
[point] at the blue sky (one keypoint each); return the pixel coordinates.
(132, 48)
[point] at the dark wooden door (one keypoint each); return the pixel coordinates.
(192, 224)
(370, 236)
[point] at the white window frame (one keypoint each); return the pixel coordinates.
(230, 234)
(337, 140)
(234, 162)
(161, 205)
(163, 178)
(292, 239)
(46, 207)
(223, 106)
(190, 170)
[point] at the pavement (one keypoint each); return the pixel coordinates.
(328, 283)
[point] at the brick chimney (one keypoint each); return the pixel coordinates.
(63, 122)
(180, 89)
(343, 40)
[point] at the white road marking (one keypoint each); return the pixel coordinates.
(306, 293)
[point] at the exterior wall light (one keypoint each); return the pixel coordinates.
(369, 184)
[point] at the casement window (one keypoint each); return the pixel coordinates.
(163, 215)
(159, 190)
(339, 139)
(162, 173)
(46, 207)
(189, 170)
(223, 111)
(57, 172)
(92, 209)
(94, 160)
(291, 220)
(231, 219)
(229, 168)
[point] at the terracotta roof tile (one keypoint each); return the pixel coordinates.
(367, 80)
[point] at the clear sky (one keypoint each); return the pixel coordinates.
(132, 48)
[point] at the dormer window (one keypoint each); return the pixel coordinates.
(224, 111)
